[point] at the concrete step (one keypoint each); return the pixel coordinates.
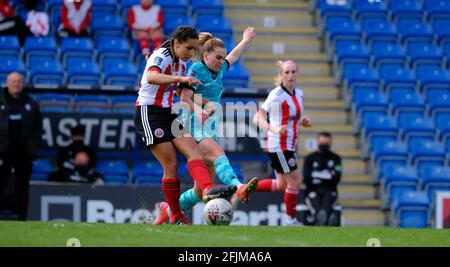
(355, 217)
(278, 31)
(299, 57)
(356, 179)
(336, 129)
(311, 92)
(326, 116)
(317, 80)
(355, 191)
(320, 104)
(268, 4)
(305, 69)
(350, 166)
(339, 141)
(268, 18)
(373, 204)
(290, 45)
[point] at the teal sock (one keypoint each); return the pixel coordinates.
(225, 172)
(188, 199)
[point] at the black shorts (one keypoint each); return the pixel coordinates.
(157, 125)
(283, 161)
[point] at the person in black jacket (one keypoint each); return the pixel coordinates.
(321, 173)
(76, 162)
(20, 137)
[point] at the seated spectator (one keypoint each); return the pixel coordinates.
(76, 163)
(146, 23)
(75, 18)
(37, 20)
(10, 24)
(321, 173)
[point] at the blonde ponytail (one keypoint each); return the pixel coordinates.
(206, 43)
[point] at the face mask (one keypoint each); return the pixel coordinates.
(324, 147)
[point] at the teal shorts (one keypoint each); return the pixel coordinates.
(207, 130)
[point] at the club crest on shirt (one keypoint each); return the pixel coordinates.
(28, 107)
(157, 61)
(291, 162)
(159, 132)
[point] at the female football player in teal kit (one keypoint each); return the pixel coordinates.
(209, 71)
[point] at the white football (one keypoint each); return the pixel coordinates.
(218, 212)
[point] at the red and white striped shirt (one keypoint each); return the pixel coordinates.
(283, 109)
(144, 18)
(76, 16)
(155, 94)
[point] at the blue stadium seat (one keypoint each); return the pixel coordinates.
(397, 181)
(112, 47)
(46, 71)
(218, 26)
(350, 52)
(125, 5)
(125, 111)
(355, 75)
(147, 173)
(358, 90)
(377, 139)
(205, 7)
(441, 30)
(410, 210)
(41, 169)
(76, 47)
(446, 51)
(435, 179)
(442, 122)
(123, 101)
(389, 151)
(92, 100)
(9, 45)
(39, 46)
(106, 24)
(426, 151)
(437, 9)
(415, 127)
(365, 9)
(174, 6)
(56, 109)
(394, 77)
(172, 21)
(96, 110)
(341, 28)
(432, 77)
(384, 167)
(387, 52)
(334, 8)
(54, 102)
(377, 29)
(414, 30)
(236, 76)
(370, 102)
(83, 71)
(114, 171)
(405, 9)
(10, 64)
(424, 53)
(405, 101)
(54, 12)
(375, 124)
(105, 6)
(119, 72)
(438, 101)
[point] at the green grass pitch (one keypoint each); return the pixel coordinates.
(37, 234)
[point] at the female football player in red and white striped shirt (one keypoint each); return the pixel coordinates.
(162, 131)
(281, 115)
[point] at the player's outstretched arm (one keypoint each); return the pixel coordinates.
(248, 35)
(260, 120)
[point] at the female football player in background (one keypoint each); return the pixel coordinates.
(280, 115)
(162, 132)
(209, 71)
